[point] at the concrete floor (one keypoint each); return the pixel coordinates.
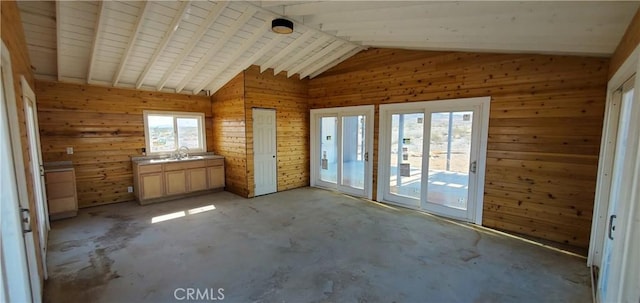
(303, 245)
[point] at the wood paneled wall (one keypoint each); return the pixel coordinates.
(544, 129)
(229, 133)
(105, 128)
(288, 96)
(629, 42)
(233, 127)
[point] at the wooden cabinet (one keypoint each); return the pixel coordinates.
(165, 181)
(62, 198)
(197, 179)
(175, 182)
(216, 176)
(151, 186)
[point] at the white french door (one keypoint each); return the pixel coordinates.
(37, 168)
(341, 145)
(617, 244)
(19, 277)
(432, 156)
(265, 151)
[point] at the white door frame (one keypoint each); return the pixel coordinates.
(369, 112)
(625, 224)
(37, 168)
(479, 153)
(274, 187)
(19, 270)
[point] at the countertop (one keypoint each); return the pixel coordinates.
(160, 160)
(58, 166)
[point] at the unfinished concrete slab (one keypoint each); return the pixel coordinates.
(303, 245)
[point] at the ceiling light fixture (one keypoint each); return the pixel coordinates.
(282, 26)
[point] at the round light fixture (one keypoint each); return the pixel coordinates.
(282, 26)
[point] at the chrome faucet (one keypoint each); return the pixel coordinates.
(183, 152)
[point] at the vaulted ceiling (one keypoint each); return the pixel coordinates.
(198, 46)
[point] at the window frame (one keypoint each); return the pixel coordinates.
(202, 137)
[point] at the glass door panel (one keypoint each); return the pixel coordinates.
(405, 169)
(449, 158)
(353, 151)
(328, 149)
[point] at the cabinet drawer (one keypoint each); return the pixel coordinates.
(60, 190)
(215, 162)
(184, 165)
(143, 169)
(62, 205)
(59, 177)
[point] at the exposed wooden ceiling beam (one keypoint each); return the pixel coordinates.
(132, 41)
(325, 60)
(229, 33)
(246, 45)
(163, 44)
(195, 39)
(503, 47)
(299, 55)
(58, 39)
(97, 34)
(334, 63)
(323, 52)
(302, 39)
(218, 83)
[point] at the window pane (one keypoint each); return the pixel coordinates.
(188, 134)
(405, 170)
(161, 133)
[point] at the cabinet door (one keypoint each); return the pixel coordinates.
(176, 182)
(151, 186)
(216, 176)
(197, 179)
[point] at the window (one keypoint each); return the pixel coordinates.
(166, 132)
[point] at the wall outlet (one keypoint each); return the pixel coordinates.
(130, 189)
(69, 150)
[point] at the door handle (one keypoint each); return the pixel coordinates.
(26, 220)
(473, 167)
(366, 156)
(41, 170)
(612, 227)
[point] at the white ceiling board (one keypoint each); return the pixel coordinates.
(177, 16)
(185, 45)
(325, 60)
(248, 13)
(287, 50)
(141, 15)
(209, 19)
(246, 45)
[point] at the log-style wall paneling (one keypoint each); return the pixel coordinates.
(288, 96)
(105, 128)
(229, 133)
(544, 129)
(629, 42)
(12, 34)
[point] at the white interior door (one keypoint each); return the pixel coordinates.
(624, 181)
(433, 156)
(265, 151)
(20, 281)
(341, 144)
(37, 168)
